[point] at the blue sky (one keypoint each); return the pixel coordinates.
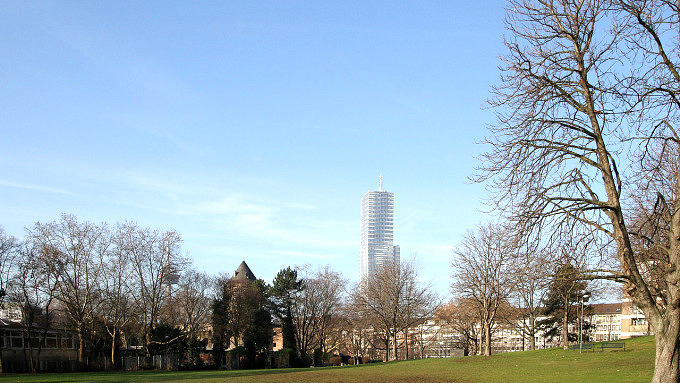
(252, 128)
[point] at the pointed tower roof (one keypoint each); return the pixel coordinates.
(243, 272)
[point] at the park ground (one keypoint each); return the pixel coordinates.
(553, 365)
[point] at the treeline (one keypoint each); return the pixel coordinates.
(111, 285)
(322, 320)
(503, 280)
(305, 308)
(126, 288)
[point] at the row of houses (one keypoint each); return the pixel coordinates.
(607, 322)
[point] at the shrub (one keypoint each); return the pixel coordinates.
(321, 358)
(282, 358)
(335, 360)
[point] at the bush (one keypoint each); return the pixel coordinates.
(282, 358)
(335, 360)
(321, 358)
(236, 358)
(303, 361)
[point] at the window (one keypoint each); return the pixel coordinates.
(67, 341)
(16, 339)
(638, 321)
(51, 341)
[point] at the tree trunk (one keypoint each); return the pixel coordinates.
(667, 360)
(147, 338)
(406, 344)
(81, 343)
(395, 345)
(31, 361)
(532, 332)
(113, 347)
(480, 345)
(487, 339)
(37, 358)
(565, 326)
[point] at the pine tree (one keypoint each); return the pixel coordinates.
(561, 304)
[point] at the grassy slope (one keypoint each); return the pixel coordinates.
(554, 365)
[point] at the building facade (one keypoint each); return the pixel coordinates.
(377, 232)
(605, 322)
(633, 322)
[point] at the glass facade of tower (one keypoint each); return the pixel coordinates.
(377, 232)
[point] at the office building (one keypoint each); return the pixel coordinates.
(377, 232)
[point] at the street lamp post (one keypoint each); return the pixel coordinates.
(584, 298)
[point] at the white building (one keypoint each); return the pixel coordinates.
(605, 322)
(377, 232)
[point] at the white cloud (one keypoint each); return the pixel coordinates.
(36, 188)
(233, 204)
(283, 224)
(302, 254)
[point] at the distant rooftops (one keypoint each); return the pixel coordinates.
(606, 308)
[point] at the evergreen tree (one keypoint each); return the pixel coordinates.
(282, 292)
(240, 318)
(565, 293)
(220, 323)
(257, 340)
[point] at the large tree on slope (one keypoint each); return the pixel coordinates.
(585, 82)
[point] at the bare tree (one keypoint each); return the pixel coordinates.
(192, 301)
(315, 306)
(483, 273)
(395, 298)
(653, 91)
(419, 303)
(156, 262)
(305, 314)
(116, 304)
(531, 273)
(357, 329)
(34, 291)
(426, 337)
(9, 254)
(462, 316)
(74, 254)
(330, 286)
(571, 78)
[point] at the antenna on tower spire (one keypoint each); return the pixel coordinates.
(380, 179)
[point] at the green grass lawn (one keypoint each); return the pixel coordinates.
(553, 365)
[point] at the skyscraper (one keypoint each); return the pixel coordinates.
(377, 232)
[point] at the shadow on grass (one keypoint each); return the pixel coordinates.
(157, 376)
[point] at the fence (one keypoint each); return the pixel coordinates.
(158, 362)
(19, 362)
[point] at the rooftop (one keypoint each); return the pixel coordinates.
(243, 273)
